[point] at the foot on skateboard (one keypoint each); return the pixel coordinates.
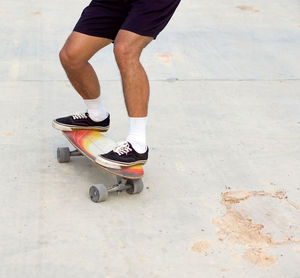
(123, 155)
(80, 121)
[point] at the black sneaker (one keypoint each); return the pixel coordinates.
(80, 121)
(123, 155)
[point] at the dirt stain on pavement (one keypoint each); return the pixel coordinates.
(258, 220)
(36, 13)
(247, 9)
(165, 58)
(180, 166)
(200, 246)
(258, 257)
(8, 134)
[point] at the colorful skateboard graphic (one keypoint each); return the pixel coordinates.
(91, 143)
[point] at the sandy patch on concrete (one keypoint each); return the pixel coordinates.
(165, 58)
(258, 257)
(201, 246)
(8, 134)
(258, 220)
(247, 9)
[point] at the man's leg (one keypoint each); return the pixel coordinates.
(74, 56)
(127, 49)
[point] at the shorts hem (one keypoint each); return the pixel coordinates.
(89, 33)
(145, 34)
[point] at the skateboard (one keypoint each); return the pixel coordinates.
(91, 143)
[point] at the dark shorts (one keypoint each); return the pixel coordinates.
(104, 18)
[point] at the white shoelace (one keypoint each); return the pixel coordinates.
(122, 148)
(78, 116)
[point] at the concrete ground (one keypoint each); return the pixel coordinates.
(222, 186)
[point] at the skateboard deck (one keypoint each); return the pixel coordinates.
(91, 143)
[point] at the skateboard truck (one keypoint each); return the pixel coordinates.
(99, 192)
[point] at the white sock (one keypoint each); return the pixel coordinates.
(137, 134)
(96, 109)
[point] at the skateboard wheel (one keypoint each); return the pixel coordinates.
(98, 193)
(137, 186)
(63, 155)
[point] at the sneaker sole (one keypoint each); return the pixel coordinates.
(117, 165)
(74, 127)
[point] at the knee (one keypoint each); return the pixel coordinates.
(125, 54)
(69, 59)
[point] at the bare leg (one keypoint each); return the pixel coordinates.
(74, 56)
(127, 49)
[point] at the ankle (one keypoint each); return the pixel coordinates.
(96, 109)
(137, 134)
(139, 147)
